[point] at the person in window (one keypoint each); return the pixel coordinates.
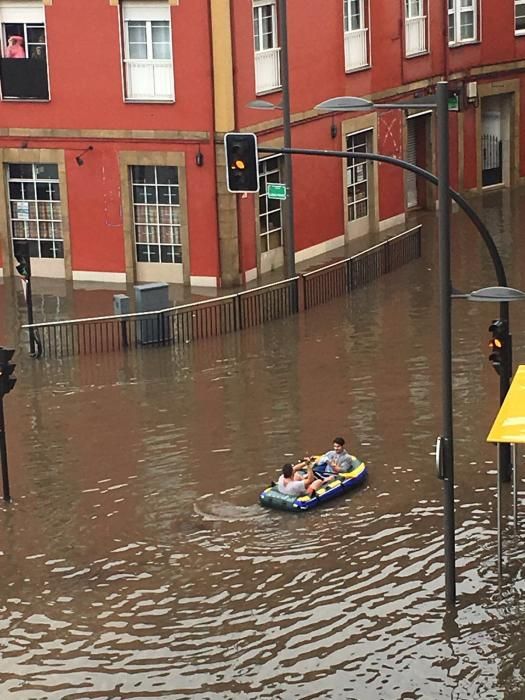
(15, 47)
(38, 52)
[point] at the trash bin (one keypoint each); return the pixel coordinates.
(120, 304)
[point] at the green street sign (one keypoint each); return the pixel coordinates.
(453, 102)
(276, 190)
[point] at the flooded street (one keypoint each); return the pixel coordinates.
(137, 563)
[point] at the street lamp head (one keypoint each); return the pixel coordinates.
(496, 294)
(344, 104)
(263, 104)
(492, 294)
(360, 104)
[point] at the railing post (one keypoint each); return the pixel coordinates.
(388, 256)
(237, 320)
(300, 294)
(162, 327)
(124, 332)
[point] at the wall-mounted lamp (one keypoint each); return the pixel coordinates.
(199, 158)
(79, 157)
(333, 128)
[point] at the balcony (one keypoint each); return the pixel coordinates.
(149, 80)
(415, 35)
(24, 78)
(267, 70)
(356, 49)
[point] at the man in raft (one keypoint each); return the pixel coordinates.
(334, 461)
(292, 483)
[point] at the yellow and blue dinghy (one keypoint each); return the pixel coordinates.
(271, 497)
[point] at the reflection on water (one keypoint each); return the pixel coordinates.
(137, 563)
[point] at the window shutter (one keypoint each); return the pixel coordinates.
(21, 12)
(152, 11)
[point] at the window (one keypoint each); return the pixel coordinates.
(156, 213)
(267, 51)
(148, 64)
(23, 66)
(462, 21)
(357, 173)
(34, 204)
(270, 222)
(415, 27)
(356, 34)
(520, 17)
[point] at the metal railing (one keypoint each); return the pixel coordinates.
(215, 317)
(356, 49)
(415, 35)
(344, 275)
(151, 79)
(267, 70)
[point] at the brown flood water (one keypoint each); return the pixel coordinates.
(137, 563)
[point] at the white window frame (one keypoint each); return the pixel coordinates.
(267, 58)
(272, 205)
(455, 12)
(40, 217)
(153, 227)
(416, 28)
(356, 39)
(521, 4)
(355, 179)
(160, 70)
(30, 13)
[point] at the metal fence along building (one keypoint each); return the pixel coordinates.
(236, 312)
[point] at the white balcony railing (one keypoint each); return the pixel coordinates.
(356, 49)
(149, 80)
(267, 70)
(415, 35)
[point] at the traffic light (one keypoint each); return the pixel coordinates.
(7, 382)
(242, 163)
(23, 257)
(499, 345)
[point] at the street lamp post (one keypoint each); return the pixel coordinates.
(284, 105)
(339, 104)
(446, 339)
(289, 234)
(447, 443)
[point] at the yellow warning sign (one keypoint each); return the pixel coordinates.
(509, 425)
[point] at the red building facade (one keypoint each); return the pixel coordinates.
(111, 137)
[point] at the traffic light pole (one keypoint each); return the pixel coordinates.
(504, 451)
(24, 269)
(3, 454)
(29, 305)
(288, 210)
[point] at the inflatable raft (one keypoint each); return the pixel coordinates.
(271, 497)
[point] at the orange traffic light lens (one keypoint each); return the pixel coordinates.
(239, 164)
